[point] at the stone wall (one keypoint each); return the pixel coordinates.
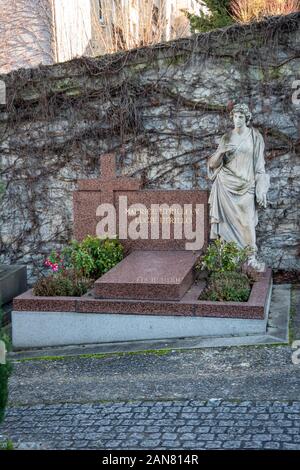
(162, 110)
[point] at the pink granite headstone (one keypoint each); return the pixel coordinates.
(145, 219)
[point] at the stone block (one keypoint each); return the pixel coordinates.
(13, 281)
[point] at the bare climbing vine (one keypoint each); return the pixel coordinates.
(160, 108)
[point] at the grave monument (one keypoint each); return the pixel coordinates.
(153, 292)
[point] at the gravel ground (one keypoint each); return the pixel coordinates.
(243, 373)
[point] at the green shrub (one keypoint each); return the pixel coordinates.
(223, 256)
(93, 256)
(65, 283)
(220, 16)
(227, 286)
(5, 370)
(7, 445)
(75, 268)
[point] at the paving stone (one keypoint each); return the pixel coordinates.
(288, 446)
(169, 436)
(232, 445)
(37, 428)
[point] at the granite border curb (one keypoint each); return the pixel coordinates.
(277, 333)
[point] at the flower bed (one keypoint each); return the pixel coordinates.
(226, 274)
(75, 269)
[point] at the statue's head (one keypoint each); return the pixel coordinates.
(241, 114)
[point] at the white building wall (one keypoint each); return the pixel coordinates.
(34, 32)
(26, 38)
(73, 28)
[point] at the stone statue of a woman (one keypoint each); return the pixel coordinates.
(240, 184)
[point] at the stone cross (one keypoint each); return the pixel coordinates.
(109, 181)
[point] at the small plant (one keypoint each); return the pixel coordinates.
(66, 283)
(5, 370)
(75, 268)
(227, 286)
(55, 262)
(224, 262)
(90, 258)
(93, 256)
(8, 445)
(224, 256)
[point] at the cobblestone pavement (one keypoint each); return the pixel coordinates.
(181, 424)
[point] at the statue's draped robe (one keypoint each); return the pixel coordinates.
(236, 181)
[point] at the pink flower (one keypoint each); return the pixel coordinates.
(56, 264)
